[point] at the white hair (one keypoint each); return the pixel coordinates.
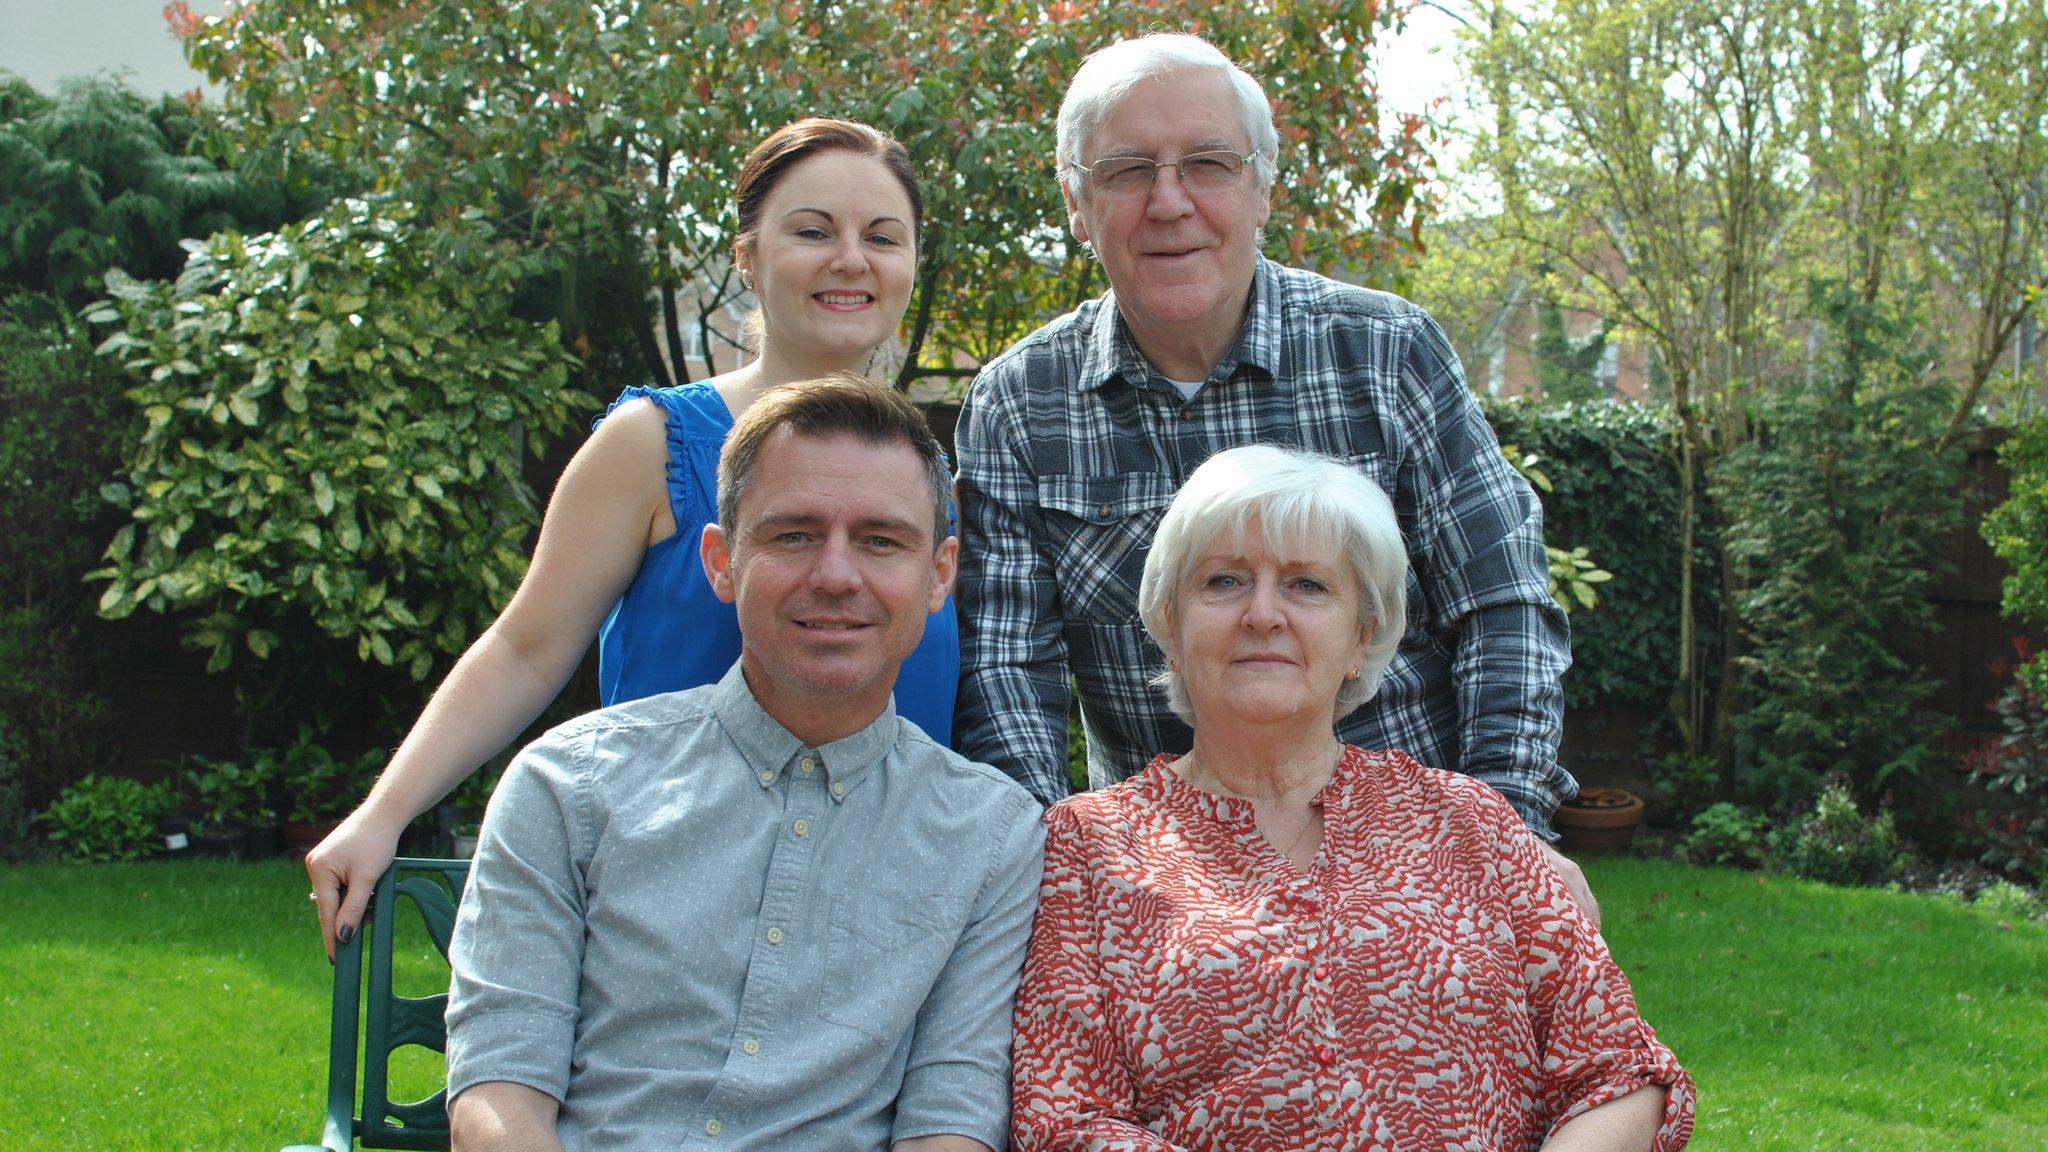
(1109, 74)
(1294, 495)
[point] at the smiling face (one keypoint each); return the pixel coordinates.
(832, 261)
(1181, 262)
(1263, 635)
(833, 573)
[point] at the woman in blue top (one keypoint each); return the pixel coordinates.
(829, 212)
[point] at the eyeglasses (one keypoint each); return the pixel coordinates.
(1134, 175)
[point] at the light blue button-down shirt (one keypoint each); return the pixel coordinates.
(697, 933)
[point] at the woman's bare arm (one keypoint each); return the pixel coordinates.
(611, 503)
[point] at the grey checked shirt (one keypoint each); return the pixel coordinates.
(699, 934)
(1071, 447)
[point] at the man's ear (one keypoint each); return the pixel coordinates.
(717, 556)
(946, 561)
(1076, 223)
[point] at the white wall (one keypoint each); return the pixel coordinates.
(43, 41)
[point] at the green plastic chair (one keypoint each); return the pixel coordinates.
(393, 1021)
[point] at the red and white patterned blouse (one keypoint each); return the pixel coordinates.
(1428, 984)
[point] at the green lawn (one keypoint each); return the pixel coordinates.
(185, 1006)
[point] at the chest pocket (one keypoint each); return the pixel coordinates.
(883, 954)
(1099, 529)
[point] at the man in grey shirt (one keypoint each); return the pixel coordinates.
(764, 913)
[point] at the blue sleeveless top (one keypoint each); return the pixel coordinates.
(670, 631)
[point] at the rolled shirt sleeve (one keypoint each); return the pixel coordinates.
(1594, 1044)
(512, 1004)
(957, 1078)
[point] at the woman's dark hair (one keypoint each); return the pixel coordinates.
(784, 148)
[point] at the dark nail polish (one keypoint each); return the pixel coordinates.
(345, 933)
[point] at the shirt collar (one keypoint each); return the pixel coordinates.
(769, 749)
(1111, 353)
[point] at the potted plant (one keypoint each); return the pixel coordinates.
(1597, 820)
(322, 789)
(469, 800)
(234, 812)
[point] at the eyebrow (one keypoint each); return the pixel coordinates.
(827, 215)
(773, 524)
(1213, 144)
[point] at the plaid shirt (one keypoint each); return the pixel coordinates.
(1071, 447)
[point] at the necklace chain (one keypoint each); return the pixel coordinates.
(1190, 767)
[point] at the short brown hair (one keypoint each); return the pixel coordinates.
(841, 404)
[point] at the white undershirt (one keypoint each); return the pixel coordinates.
(1187, 391)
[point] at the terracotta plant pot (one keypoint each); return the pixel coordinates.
(1599, 820)
(300, 839)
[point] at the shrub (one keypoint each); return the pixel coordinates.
(1725, 834)
(1838, 845)
(60, 437)
(2016, 528)
(2018, 759)
(333, 422)
(105, 818)
(2006, 900)
(1613, 490)
(1835, 515)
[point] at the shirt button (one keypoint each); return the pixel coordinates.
(767, 777)
(751, 1047)
(839, 789)
(775, 935)
(713, 1127)
(809, 765)
(1322, 971)
(1325, 1054)
(1102, 511)
(801, 827)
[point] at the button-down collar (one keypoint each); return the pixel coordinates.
(769, 749)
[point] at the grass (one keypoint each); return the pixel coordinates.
(176, 1006)
(1829, 1018)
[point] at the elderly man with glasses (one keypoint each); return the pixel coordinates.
(1073, 442)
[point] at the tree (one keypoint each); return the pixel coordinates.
(98, 178)
(1648, 150)
(1764, 194)
(603, 136)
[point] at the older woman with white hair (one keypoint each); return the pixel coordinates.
(1278, 941)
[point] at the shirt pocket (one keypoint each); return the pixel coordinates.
(1100, 528)
(882, 956)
